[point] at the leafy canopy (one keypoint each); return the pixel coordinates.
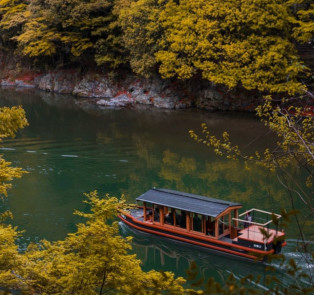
(70, 30)
(233, 42)
(248, 43)
(93, 260)
(11, 120)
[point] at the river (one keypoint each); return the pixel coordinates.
(72, 146)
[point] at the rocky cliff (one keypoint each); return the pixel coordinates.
(127, 89)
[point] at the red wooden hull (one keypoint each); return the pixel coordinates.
(199, 239)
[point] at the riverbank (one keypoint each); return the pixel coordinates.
(127, 89)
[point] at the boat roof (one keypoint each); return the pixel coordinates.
(186, 201)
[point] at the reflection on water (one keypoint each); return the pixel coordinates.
(163, 254)
(73, 146)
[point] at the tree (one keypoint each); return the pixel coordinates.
(303, 29)
(11, 120)
(248, 43)
(295, 146)
(12, 17)
(291, 160)
(93, 260)
(70, 30)
(141, 32)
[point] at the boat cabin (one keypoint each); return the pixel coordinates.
(190, 213)
(206, 222)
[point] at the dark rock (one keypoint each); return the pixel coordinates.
(128, 89)
(7, 82)
(119, 101)
(20, 83)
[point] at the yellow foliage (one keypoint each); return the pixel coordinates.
(10, 260)
(294, 148)
(38, 39)
(93, 260)
(11, 120)
(228, 42)
(63, 28)
(304, 29)
(12, 14)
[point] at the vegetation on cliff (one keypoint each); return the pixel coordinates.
(252, 44)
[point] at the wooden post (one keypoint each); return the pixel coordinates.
(144, 211)
(204, 224)
(188, 221)
(192, 221)
(236, 215)
(216, 228)
(161, 215)
(209, 225)
(230, 220)
(174, 216)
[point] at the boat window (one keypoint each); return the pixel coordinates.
(149, 215)
(223, 224)
(180, 218)
(210, 226)
(196, 222)
(169, 216)
(220, 225)
(156, 214)
(226, 223)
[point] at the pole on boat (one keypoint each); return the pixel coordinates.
(144, 211)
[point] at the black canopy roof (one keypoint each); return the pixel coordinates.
(187, 202)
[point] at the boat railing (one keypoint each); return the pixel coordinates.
(250, 217)
(256, 226)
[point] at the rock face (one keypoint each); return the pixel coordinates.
(129, 90)
(58, 81)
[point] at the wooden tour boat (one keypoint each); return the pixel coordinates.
(207, 222)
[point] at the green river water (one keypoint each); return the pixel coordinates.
(72, 146)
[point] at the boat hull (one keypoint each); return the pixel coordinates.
(195, 239)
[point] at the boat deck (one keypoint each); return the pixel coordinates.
(137, 213)
(253, 234)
